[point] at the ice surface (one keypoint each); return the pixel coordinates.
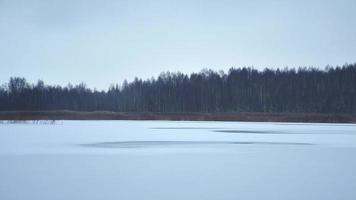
(177, 160)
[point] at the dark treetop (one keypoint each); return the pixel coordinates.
(303, 90)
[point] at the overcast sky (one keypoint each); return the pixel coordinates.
(102, 42)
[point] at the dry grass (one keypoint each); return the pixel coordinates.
(246, 117)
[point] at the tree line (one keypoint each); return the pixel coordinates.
(303, 90)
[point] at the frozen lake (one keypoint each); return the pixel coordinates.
(159, 160)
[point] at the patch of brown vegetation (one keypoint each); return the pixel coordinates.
(245, 117)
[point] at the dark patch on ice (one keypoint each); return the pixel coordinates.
(278, 132)
(311, 124)
(250, 132)
(143, 144)
(184, 128)
(222, 130)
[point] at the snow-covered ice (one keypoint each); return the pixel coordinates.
(177, 160)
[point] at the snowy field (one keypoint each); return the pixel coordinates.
(164, 160)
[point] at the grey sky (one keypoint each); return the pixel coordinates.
(102, 42)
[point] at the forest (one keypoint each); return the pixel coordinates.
(330, 90)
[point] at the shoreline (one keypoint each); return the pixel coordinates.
(242, 117)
